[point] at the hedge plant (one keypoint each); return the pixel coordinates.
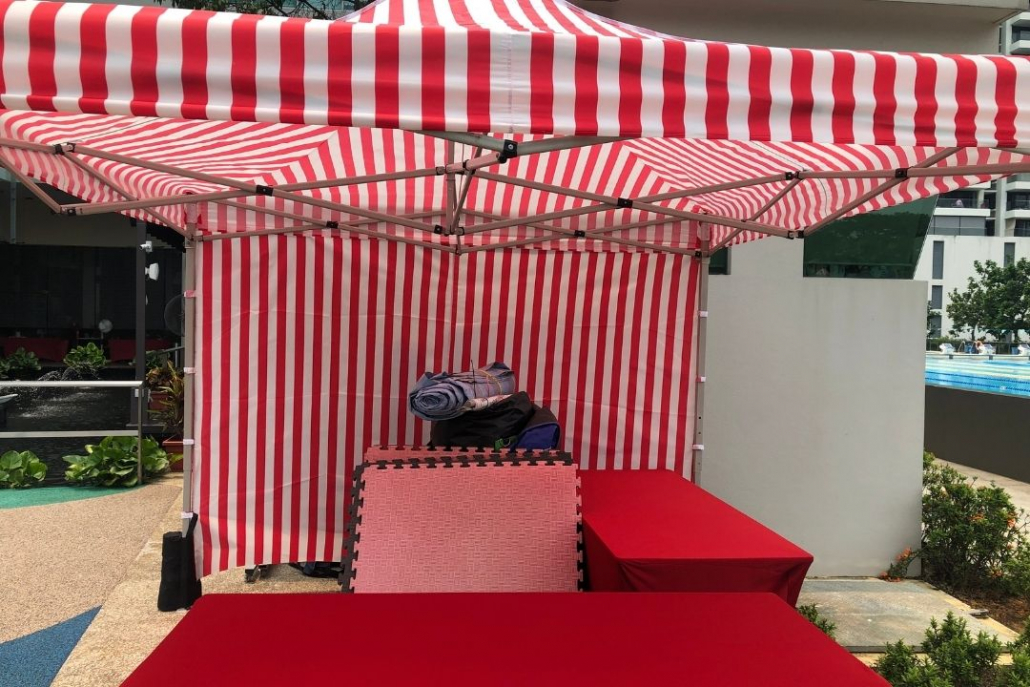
(85, 360)
(19, 469)
(112, 462)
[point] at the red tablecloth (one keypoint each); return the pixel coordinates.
(45, 348)
(703, 640)
(652, 530)
(123, 350)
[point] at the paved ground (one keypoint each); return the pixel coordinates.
(60, 561)
(129, 625)
(1019, 491)
(871, 613)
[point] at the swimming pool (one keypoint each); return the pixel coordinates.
(1008, 375)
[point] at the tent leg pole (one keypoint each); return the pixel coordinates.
(698, 447)
(189, 345)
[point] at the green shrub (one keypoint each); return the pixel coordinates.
(22, 361)
(811, 613)
(5, 368)
(953, 659)
(1018, 674)
(85, 360)
(112, 462)
(21, 469)
(971, 534)
(902, 668)
(964, 661)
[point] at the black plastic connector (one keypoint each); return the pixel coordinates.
(437, 229)
(509, 149)
(624, 203)
(332, 224)
(263, 190)
(901, 173)
(579, 234)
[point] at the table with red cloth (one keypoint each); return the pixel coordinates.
(123, 350)
(567, 639)
(46, 348)
(652, 530)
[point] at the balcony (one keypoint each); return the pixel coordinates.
(964, 206)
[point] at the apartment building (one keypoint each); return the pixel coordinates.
(980, 223)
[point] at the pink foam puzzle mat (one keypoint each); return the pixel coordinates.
(427, 520)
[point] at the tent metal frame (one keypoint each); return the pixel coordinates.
(488, 151)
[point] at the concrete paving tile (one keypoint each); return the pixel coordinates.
(871, 613)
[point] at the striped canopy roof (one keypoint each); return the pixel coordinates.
(392, 123)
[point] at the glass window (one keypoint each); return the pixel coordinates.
(878, 245)
(720, 262)
(935, 326)
(1022, 227)
(938, 260)
(1019, 200)
(1010, 253)
(936, 296)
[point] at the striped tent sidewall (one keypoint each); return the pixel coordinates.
(308, 344)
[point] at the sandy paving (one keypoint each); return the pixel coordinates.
(61, 559)
(129, 625)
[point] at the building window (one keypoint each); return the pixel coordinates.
(938, 260)
(958, 199)
(1019, 200)
(959, 225)
(719, 262)
(936, 297)
(1010, 253)
(1022, 228)
(935, 326)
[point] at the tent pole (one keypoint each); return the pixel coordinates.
(189, 346)
(698, 447)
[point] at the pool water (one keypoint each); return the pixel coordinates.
(1004, 375)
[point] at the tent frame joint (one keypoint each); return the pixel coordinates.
(509, 149)
(623, 202)
(901, 173)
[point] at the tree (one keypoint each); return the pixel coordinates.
(313, 9)
(996, 301)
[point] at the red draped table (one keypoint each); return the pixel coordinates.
(652, 530)
(709, 640)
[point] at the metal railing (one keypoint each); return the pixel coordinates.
(95, 384)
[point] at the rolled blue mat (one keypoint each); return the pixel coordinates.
(442, 396)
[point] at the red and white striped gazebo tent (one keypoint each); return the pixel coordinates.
(429, 184)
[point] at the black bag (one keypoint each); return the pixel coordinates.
(322, 569)
(180, 586)
(485, 428)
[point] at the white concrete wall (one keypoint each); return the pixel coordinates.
(960, 252)
(855, 24)
(814, 406)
